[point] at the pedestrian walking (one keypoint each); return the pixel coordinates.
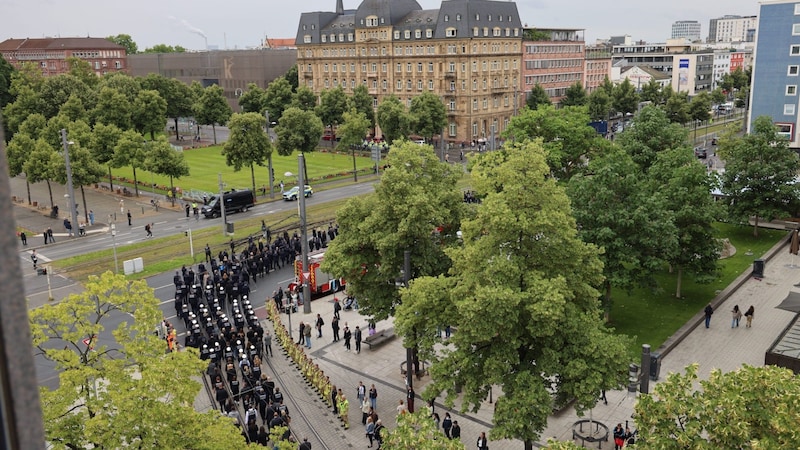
(447, 425)
(619, 437)
(336, 307)
(148, 229)
(410, 394)
(68, 226)
(267, 343)
(23, 237)
(749, 316)
(708, 312)
(456, 431)
(187, 207)
(50, 236)
(483, 443)
(34, 258)
(373, 397)
(302, 332)
(357, 338)
(319, 325)
(370, 431)
(603, 396)
(91, 217)
(44, 235)
(736, 315)
(129, 217)
(365, 410)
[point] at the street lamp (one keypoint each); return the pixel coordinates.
(114, 240)
(70, 187)
(269, 162)
(301, 198)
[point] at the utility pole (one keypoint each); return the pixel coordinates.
(409, 350)
(301, 181)
(70, 187)
(221, 201)
(269, 161)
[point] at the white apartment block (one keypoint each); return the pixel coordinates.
(732, 28)
(689, 29)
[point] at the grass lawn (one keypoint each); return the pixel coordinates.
(651, 317)
(206, 163)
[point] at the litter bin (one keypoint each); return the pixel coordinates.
(633, 378)
(655, 365)
(229, 227)
(758, 268)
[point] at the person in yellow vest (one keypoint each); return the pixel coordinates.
(344, 407)
(171, 339)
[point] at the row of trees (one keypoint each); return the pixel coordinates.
(131, 48)
(624, 98)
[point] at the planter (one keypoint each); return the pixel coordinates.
(35, 204)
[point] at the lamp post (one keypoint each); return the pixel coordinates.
(70, 187)
(301, 198)
(221, 202)
(269, 162)
(114, 240)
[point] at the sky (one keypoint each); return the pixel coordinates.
(244, 23)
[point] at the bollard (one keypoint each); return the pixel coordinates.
(142, 210)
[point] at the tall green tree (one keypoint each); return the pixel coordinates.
(291, 77)
(253, 99)
(130, 151)
(393, 119)
(652, 134)
(164, 160)
(717, 96)
(331, 108)
(126, 41)
(277, 97)
(677, 108)
(85, 170)
(362, 101)
(212, 109)
(37, 166)
(81, 69)
(19, 149)
(149, 113)
(102, 144)
(600, 105)
(537, 97)
(759, 404)
(652, 92)
(685, 185)
(616, 212)
(625, 98)
(428, 115)
(760, 174)
(522, 293)
(575, 95)
(73, 109)
(248, 144)
(164, 48)
(565, 133)
(700, 107)
(121, 390)
(6, 71)
(298, 130)
(57, 90)
(113, 108)
(304, 98)
(352, 132)
(416, 196)
(180, 99)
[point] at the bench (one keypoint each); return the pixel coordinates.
(379, 337)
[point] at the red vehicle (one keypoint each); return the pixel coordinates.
(321, 283)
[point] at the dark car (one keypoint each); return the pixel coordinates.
(700, 152)
(235, 201)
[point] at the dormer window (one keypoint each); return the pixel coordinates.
(372, 21)
(417, 34)
(450, 32)
(407, 34)
(446, 18)
(458, 17)
(324, 38)
(313, 27)
(428, 33)
(307, 39)
(397, 34)
(333, 38)
(304, 27)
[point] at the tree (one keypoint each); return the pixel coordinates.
(717, 96)
(164, 48)
(759, 404)
(212, 109)
(332, 105)
(277, 97)
(26, 88)
(522, 294)
(575, 95)
(565, 133)
(82, 70)
(6, 72)
(428, 115)
(122, 83)
(73, 109)
(760, 171)
(126, 41)
(652, 92)
(58, 89)
(416, 196)
(362, 101)
(85, 170)
(113, 108)
(104, 140)
(253, 99)
(599, 105)
(162, 159)
(652, 134)
(352, 133)
(625, 98)
(677, 108)
(304, 98)
(686, 184)
(616, 212)
(291, 77)
(120, 390)
(19, 149)
(298, 130)
(37, 166)
(418, 431)
(393, 119)
(179, 97)
(149, 112)
(130, 151)
(537, 96)
(700, 107)
(248, 143)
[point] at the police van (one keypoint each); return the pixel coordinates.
(235, 201)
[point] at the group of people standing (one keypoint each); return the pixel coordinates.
(736, 316)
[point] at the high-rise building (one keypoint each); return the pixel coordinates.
(776, 67)
(467, 52)
(554, 59)
(50, 54)
(689, 29)
(732, 28)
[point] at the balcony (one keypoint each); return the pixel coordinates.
(372, 74)
(450, 75)
(308, 74)
(452, 113)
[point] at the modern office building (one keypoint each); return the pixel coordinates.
(732, 28)
(553, 58)
(50, 54)
(690, 67)
(597, 67)
(729, 60)
(776, 67)
(467, 52)
(232, 70)
(689, 29)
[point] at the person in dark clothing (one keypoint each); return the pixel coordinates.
(447, 424)
(347, 336)
(708, 312)
(23, 237)
(263, 437)
(335, 327)
(319, 325)
(305, 445)
(483, 443)
(302, 329)
(456, 430)
(129, 217)
(357, 337)
(336, 308)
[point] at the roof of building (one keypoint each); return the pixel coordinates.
(73, 43)
(280, 43)
(655, 74)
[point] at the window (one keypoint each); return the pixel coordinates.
(407, 34)
(397, 34)
(474, 128)
(349, 37)
(496, 31)
(794, 50)
(419, 67)
(475, 31)
(408, 85)
(419, 85)
(446, 18)
(452, 104)
(797, 9)
(307, 39)
(475, 104)
(430, 67)
(792, 71)
(428, 33)
(383, 67)
(788, 109)
(374, 102)
(408, 67)
(791, 89)
(452, 85)
(450, 32)
(118, 64)
(373, 67)
(341, 37)
(796, 29)
(324, 38)
(399, 84)
(372, 21)
(325, 68)
(458, 17)
(417, 34)
(452, 128)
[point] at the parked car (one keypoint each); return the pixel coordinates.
(700, 152)
(292, 193)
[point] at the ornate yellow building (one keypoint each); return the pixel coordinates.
(468, 52)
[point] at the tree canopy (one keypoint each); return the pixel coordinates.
(126, 41)
(248, 144)
(537, 97)
(575, 95)
(393, 119)
(212, 108)
(428, 115)
(298, 130)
